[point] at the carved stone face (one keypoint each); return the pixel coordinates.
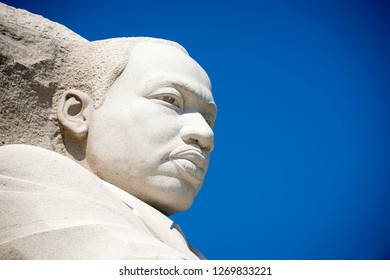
(152, 137)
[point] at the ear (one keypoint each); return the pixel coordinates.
(74, 111)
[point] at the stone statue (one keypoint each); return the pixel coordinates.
(100, 142)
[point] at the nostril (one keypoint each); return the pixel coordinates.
(193, 140)
(203, 146)
(200, 137)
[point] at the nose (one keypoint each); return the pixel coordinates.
(197, 131)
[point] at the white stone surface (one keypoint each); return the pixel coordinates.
(129, 122)
(32, 51)
(52, 208)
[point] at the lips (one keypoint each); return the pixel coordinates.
(191, 161)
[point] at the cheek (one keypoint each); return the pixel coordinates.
(108, 137)
(142, 135)
(155, 123)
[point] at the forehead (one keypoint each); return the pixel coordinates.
(158, 63)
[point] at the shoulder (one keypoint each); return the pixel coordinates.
(52, 208)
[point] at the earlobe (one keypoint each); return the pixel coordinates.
(74, 110)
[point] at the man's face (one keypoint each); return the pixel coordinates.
(152, 137)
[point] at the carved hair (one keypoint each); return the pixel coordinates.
(39, 60)
(93, 67)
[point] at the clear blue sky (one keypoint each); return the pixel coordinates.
(301, 168)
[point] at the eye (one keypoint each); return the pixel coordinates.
(173, 100)
(169, 97)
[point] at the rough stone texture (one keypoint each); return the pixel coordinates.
(31, 51)
(130, 123)
(39, 60)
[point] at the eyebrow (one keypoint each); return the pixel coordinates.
(211, 106)
(170, 81)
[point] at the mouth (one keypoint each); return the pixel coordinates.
(192, 162)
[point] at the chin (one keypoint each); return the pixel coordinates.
(170, 209)
(167, 194)
(175, 202)
(171, 196)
